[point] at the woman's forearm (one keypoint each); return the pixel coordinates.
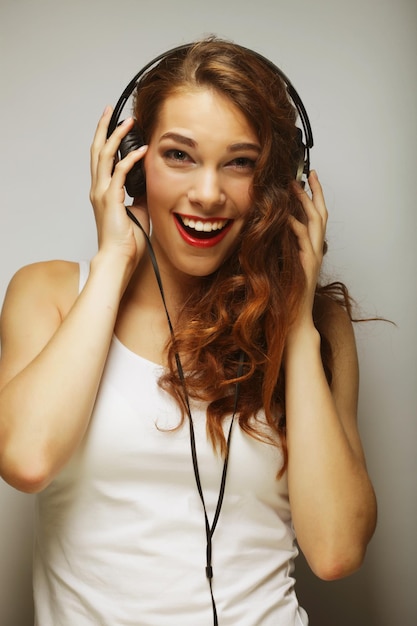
(332, 499)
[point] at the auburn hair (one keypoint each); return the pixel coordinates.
(249, 303)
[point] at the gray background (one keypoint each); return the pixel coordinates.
(354, 66)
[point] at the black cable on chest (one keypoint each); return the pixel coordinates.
(209, 528)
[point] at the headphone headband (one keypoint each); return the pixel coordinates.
(129, 89)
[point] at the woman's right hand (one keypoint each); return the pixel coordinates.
(116, 232)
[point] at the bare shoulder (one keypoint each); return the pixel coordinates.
(37, 300)
(47, 283)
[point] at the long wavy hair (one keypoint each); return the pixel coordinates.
(249, 303)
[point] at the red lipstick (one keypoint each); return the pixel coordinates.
(201, 239)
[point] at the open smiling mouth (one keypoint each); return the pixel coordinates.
(202, 232)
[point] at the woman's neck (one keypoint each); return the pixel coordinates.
(144, 288)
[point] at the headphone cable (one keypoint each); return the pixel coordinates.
(209, 528)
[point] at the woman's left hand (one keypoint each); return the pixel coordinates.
(311, 241)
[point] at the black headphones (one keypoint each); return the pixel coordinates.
(135, 180)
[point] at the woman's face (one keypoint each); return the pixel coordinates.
(199, 171)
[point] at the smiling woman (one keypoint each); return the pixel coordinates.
(199, 167)
(185, 403)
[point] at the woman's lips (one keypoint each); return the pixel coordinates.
(202, 233)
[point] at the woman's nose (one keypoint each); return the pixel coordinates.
(206, 190)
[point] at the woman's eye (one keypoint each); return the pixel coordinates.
(176, 155)
(243, 162)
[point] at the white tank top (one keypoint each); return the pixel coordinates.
(120, 535)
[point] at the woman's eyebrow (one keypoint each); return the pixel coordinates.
(236, 147)
(187, 141)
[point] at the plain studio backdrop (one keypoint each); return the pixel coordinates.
(353, 64)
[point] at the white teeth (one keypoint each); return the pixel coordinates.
(200, 226)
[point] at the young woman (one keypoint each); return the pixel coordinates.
(185, 405)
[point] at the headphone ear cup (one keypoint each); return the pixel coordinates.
(302, 165)
(135, 179)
